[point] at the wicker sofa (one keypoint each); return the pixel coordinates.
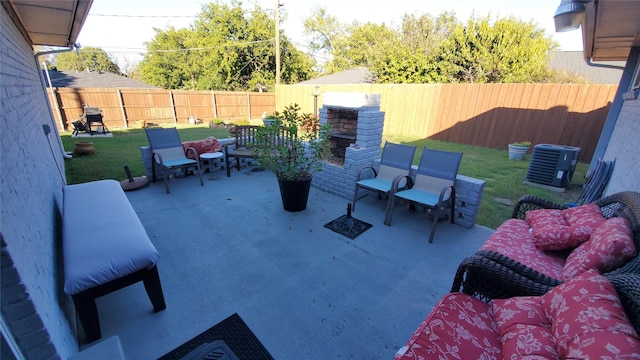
(511, 263)
(590, 316)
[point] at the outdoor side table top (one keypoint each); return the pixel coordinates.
(212, 157)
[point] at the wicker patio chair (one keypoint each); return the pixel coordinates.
(628, 288)
(491, 275)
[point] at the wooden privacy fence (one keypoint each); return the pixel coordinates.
(488, 115)
(123, 108)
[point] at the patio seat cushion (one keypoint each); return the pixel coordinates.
(103, 239)
(580, 319)
(459, 327)
(514, 240)
(589, 321)
(524, 328)
(610, 246)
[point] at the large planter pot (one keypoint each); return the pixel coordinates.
(517, 152)
(84, 148)
(294, 194)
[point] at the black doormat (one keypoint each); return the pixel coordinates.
(347, 225)
(235, 334)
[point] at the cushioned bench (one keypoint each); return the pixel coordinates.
(105, 249)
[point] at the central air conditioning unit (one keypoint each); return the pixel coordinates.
(552, 165)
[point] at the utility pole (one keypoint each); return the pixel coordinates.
(277, 19)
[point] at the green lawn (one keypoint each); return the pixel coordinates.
(504, 177)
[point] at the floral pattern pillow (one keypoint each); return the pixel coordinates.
(525, 330)
(458, 327)
(610, 246)
(588, 321)
(583, 221)
(554, 229)
(549, 228)
(209, 144)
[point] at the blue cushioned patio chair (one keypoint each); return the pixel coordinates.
(433, 187)
(168, 154)
(395, 163)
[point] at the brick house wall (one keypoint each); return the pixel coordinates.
(36, 312)
(623, 148)
(623, 144)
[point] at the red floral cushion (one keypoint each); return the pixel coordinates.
(610, 246)
(513, 239)
(554, 229)
(588, 321)
(550, 229)
(210, 144)
(583, 220)
(458, 327)
(525, 330)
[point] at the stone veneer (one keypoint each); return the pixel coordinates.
(339, 179)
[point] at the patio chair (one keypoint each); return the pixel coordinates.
(433, 188)
(169, 155)
(79, 126)
(241, 147)
(395, 163)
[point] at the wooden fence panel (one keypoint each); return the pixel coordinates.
(261, 103)
(198, 104)
(489, 115)
(126, 107)
(232, 106)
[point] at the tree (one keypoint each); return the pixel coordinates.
(506, 50)
(424, 34)
(427, 49)
(226, 48)
(325, 31)
(366, 45)
(90, 58)
(386, 51)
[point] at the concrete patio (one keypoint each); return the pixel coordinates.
(305, 291)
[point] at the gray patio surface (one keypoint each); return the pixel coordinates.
(305, 291)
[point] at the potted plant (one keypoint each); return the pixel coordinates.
(518, 149)
(292, 147)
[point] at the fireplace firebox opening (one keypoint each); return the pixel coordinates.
(344, 129)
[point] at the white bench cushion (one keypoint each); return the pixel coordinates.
(103, 238)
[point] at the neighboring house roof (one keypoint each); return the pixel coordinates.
(93, 79)
(359, 75)
(602, 72)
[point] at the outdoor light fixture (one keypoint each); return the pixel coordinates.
(569, 15)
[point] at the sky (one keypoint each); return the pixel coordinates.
(123, 35)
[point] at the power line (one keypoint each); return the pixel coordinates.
(187, 49)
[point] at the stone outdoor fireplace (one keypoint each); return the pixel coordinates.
(355, 141)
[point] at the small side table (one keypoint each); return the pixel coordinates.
(212, 158)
